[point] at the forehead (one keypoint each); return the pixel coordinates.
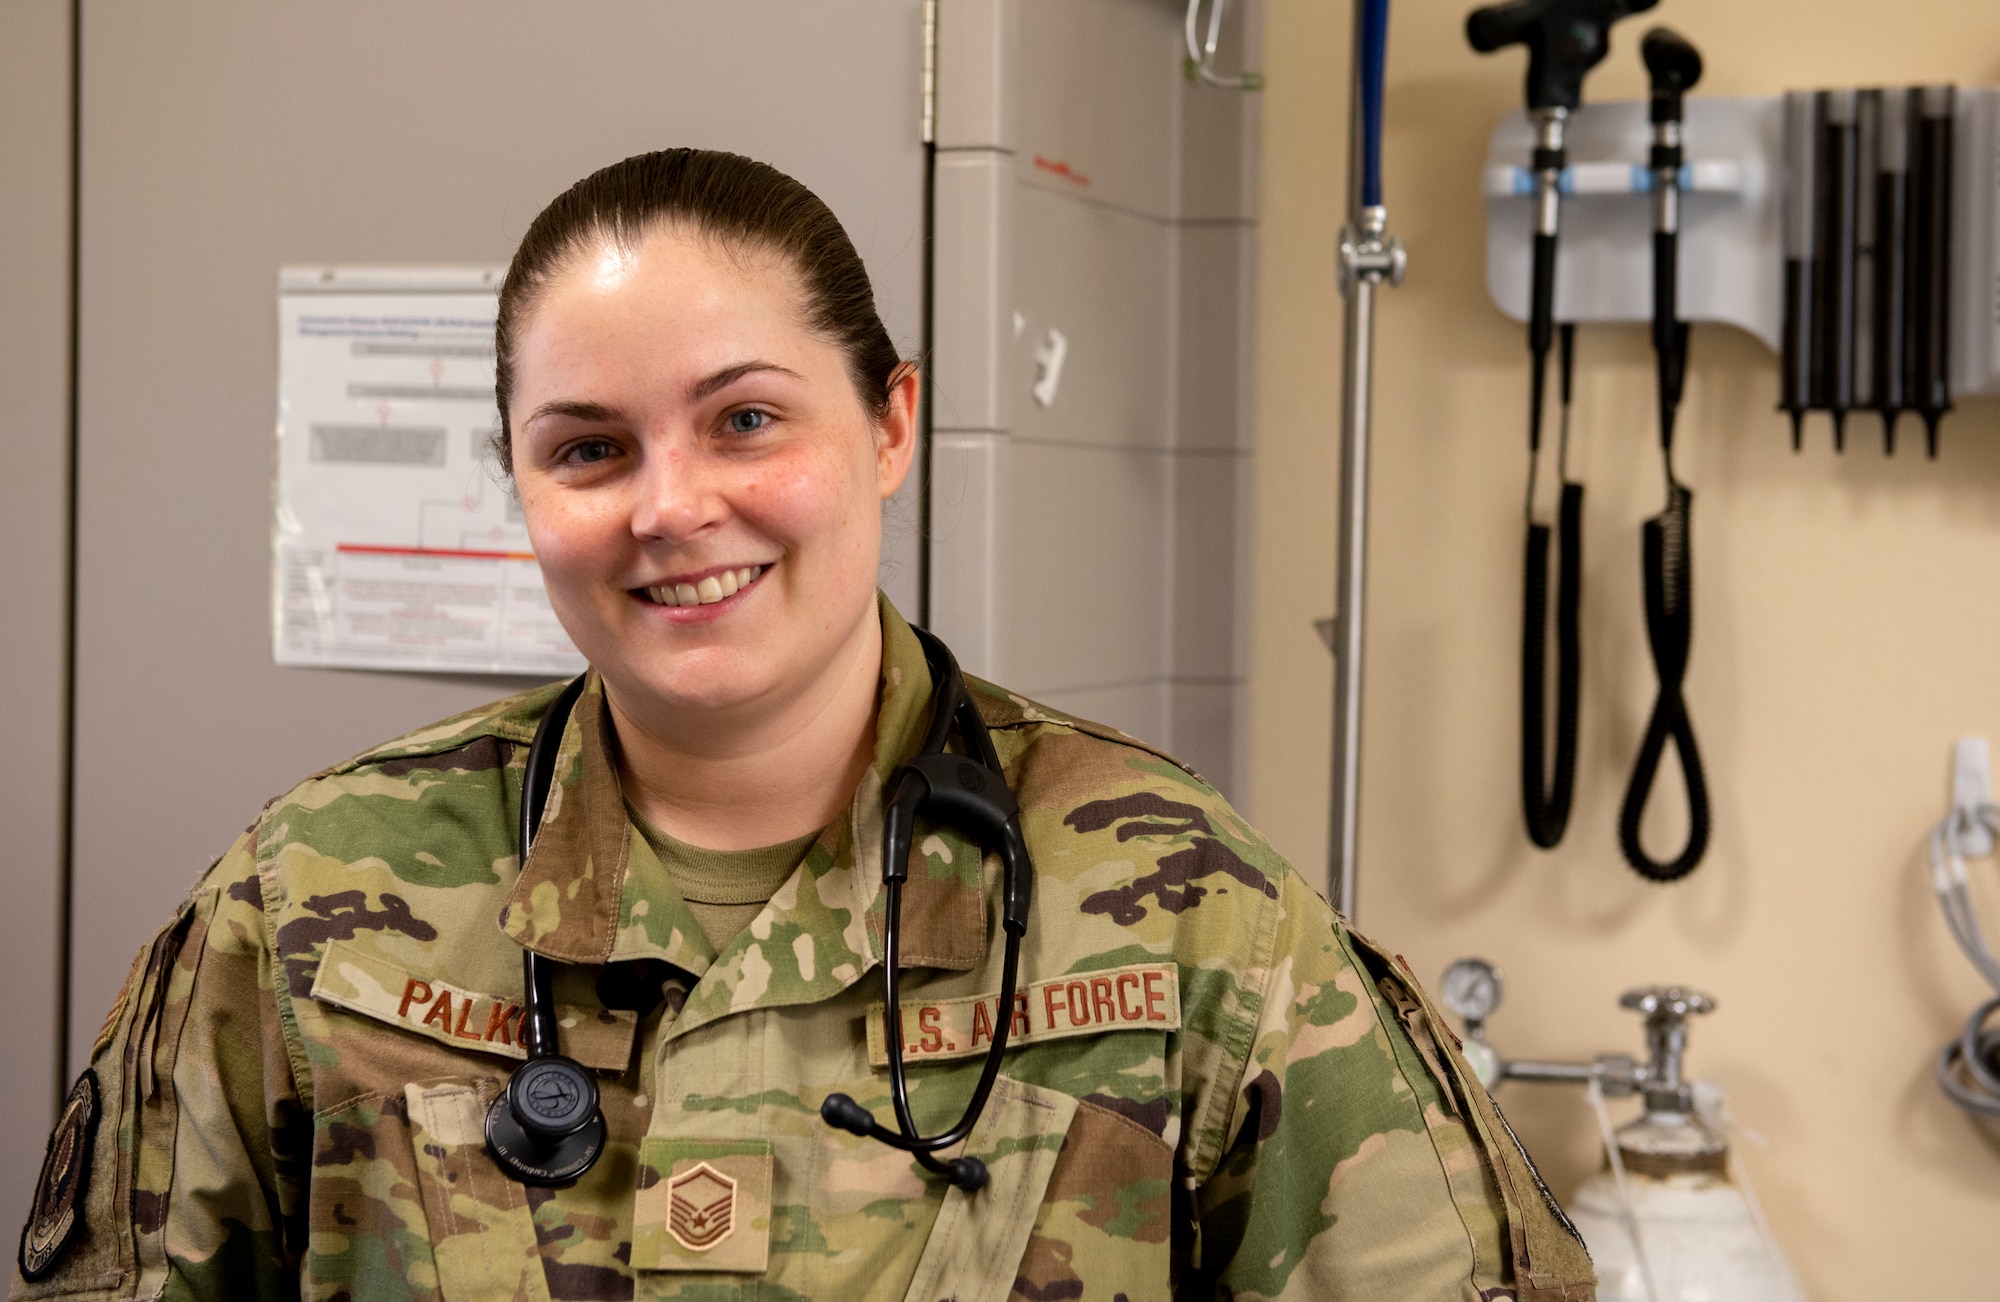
(676, 299)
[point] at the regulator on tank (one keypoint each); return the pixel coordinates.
(1666, 1219)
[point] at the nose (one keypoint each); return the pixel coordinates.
(679, 494)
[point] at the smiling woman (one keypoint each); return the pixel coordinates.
(1181, 1074)
(694, 384)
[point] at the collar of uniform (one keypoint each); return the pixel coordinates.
(578, 899)
(823, 929)
(565, 904)
(944, 902)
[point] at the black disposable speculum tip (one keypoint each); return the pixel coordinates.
(1888, 433)
(1931, 419)
(1798, 430)
(1839, 430)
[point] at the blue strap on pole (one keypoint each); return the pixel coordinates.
(1374, 54)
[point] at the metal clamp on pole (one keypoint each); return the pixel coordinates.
(1369, 256)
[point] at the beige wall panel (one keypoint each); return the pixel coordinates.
(1203, 729)
(1206, 565)
(1218, 159)
(967, 509)
(1105, 278)
(1138, 709)
(227, 138)
(1082, 569)
(971, 376)
(975, 53)
(34, 350)
(1097, 112)
(1215, 353)
(1845, 628)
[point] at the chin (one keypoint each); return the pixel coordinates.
(712, 678)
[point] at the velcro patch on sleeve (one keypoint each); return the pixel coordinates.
(365, 982)
(1144, 996)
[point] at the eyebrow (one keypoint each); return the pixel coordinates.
(728, 375)
(702, 388)
(592, 411)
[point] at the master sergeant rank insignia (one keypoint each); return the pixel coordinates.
(57, 1213)
(701, 1211)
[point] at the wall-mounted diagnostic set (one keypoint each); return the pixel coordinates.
(1855, 232)
(1565, 39)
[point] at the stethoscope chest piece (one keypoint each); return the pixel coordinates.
(546, 1127)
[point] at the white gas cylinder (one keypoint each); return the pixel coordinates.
(1702, 1242)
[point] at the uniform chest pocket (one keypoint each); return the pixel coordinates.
(979, 1240)
(406, 1202)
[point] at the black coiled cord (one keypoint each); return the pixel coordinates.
(1670, 631)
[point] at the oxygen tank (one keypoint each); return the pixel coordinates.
(1700, 1239)
(1700, 1236)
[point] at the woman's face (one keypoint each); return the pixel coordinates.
(701, 482)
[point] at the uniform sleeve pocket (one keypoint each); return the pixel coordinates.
(1477, 1146)
(95, 1223)
(481, 1230)
(150, 1072)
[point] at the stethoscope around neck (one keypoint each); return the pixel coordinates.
(547, 1126)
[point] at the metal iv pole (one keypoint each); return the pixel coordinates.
(1368, 256)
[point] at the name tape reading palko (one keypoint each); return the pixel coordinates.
(1144, 996)
(361, 982)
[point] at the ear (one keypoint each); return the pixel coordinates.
(896, 434)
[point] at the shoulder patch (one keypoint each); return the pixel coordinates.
(57, 1212)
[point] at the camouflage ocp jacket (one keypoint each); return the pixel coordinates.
(1212, 1087)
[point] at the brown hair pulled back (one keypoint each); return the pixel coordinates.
(730, 198)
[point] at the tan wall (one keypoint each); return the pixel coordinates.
(1846, 631)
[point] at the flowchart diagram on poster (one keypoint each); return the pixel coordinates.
(397, 544)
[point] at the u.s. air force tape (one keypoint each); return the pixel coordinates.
(57, 1213)
(1141, 997)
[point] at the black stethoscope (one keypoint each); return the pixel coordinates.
(547, 1127)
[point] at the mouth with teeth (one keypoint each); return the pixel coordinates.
(705, 591)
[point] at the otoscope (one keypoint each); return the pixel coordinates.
(1565, 40)
(1674, 67)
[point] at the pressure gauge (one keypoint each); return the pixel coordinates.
(1471, 987)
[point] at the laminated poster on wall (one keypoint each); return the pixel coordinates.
(396, 543)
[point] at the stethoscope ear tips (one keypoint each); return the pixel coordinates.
(843, 1113)
(968, 1173)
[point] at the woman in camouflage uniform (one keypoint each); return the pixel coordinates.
(1212, 1087)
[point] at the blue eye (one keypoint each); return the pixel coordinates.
(590, 450)
(748, 421)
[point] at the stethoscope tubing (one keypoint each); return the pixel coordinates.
(538, 1015)
(915, 785)
(983, 797)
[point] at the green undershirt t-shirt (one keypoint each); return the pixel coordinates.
(724, 889)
